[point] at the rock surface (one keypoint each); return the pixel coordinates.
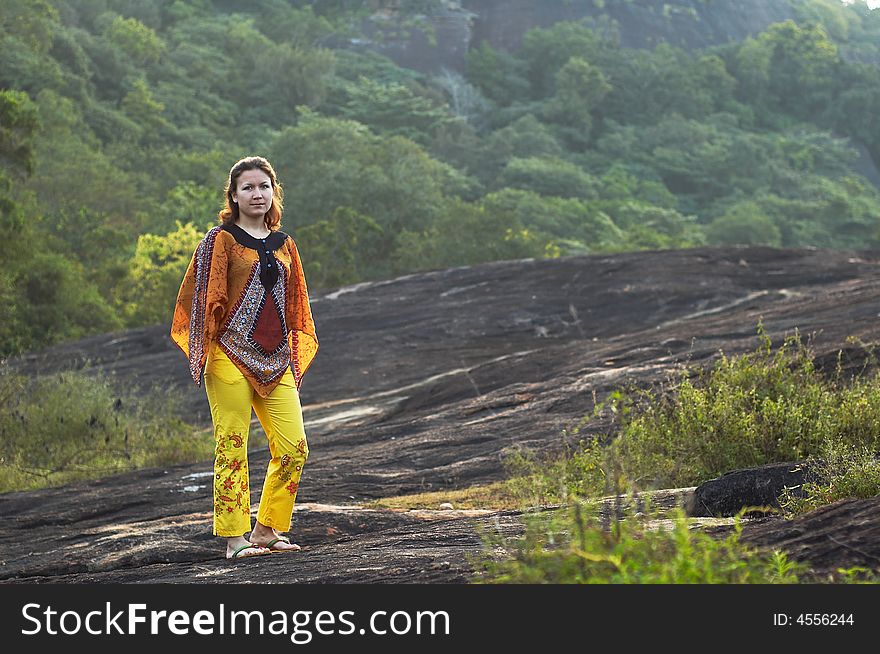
(741, 489)
(845, 534)
(424, 382)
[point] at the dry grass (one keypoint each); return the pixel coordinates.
(496, 495)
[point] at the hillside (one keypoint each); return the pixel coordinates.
(448, 30)
(625, 131)
(421, 383)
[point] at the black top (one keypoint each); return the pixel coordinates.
(269, 265)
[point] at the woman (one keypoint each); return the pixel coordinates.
(243, 315)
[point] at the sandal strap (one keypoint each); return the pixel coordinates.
(243, 548)
(280, 539)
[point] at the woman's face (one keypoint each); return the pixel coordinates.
(253, 194)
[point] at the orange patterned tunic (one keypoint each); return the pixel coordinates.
(248, 296)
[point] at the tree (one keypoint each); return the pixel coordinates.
(143, 109)
(326, 163)
(651, 227)
(73, 172)
(649, 85)
(556, 218)
(155, 273)
(545, 50)
(790, 68)
(550, 177)
(26, 34)
(134, 38)
(619, 183)
(498, 74)
(342, 249)
(743, 224)
(580, 88)
(525, 137)
(31, 21)
(18, 122)
(393, 108)
(466, 234)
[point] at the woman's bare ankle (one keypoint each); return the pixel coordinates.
(234, 542)
(262, 532)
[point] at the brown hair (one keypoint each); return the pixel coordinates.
(229, 213)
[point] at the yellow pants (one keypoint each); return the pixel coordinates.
(231, 398)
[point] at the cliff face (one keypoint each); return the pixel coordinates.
(642, 23)
(442, 38)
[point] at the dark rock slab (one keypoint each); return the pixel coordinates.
(751, 487)
(396, 548)
(844, 534)
(425, 382)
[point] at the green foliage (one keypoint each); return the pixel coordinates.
(546, 176)
(299, 26)
(155, 273)
(572, 545)
(745, 224)
(499, 75)
(46, 293)
(648, 226)
(18, 122)
(562, 218)
(340, 250)
(765, 406)
(135, 39)
(145, 111)
(701, 162)
(762, 407)
(577, 471)
(648, 85)
(142, 107)
(73, 173)
(26, 29)
(31, 22)
(491, 235)
(580, 89)
(798, 70)
(524, 138)
(329, 163)
(839, 470)
(70, 426)
(392, 108)
(55, 302)
(545, 51)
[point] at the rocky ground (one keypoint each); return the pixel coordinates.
(423, 383)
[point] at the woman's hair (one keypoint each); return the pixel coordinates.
(229, 213)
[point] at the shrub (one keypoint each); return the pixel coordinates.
(70, 426)
(571, 546)
(762, 407)
(841, 470)
(553, 479)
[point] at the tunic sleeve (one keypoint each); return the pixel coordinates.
(201, 302)
(302, 337)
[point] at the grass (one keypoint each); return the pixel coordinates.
(572, 546)
(842, 470)
(762, 407)
(497, 495)
(70, 426)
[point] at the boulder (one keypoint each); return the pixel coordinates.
(751, 487)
